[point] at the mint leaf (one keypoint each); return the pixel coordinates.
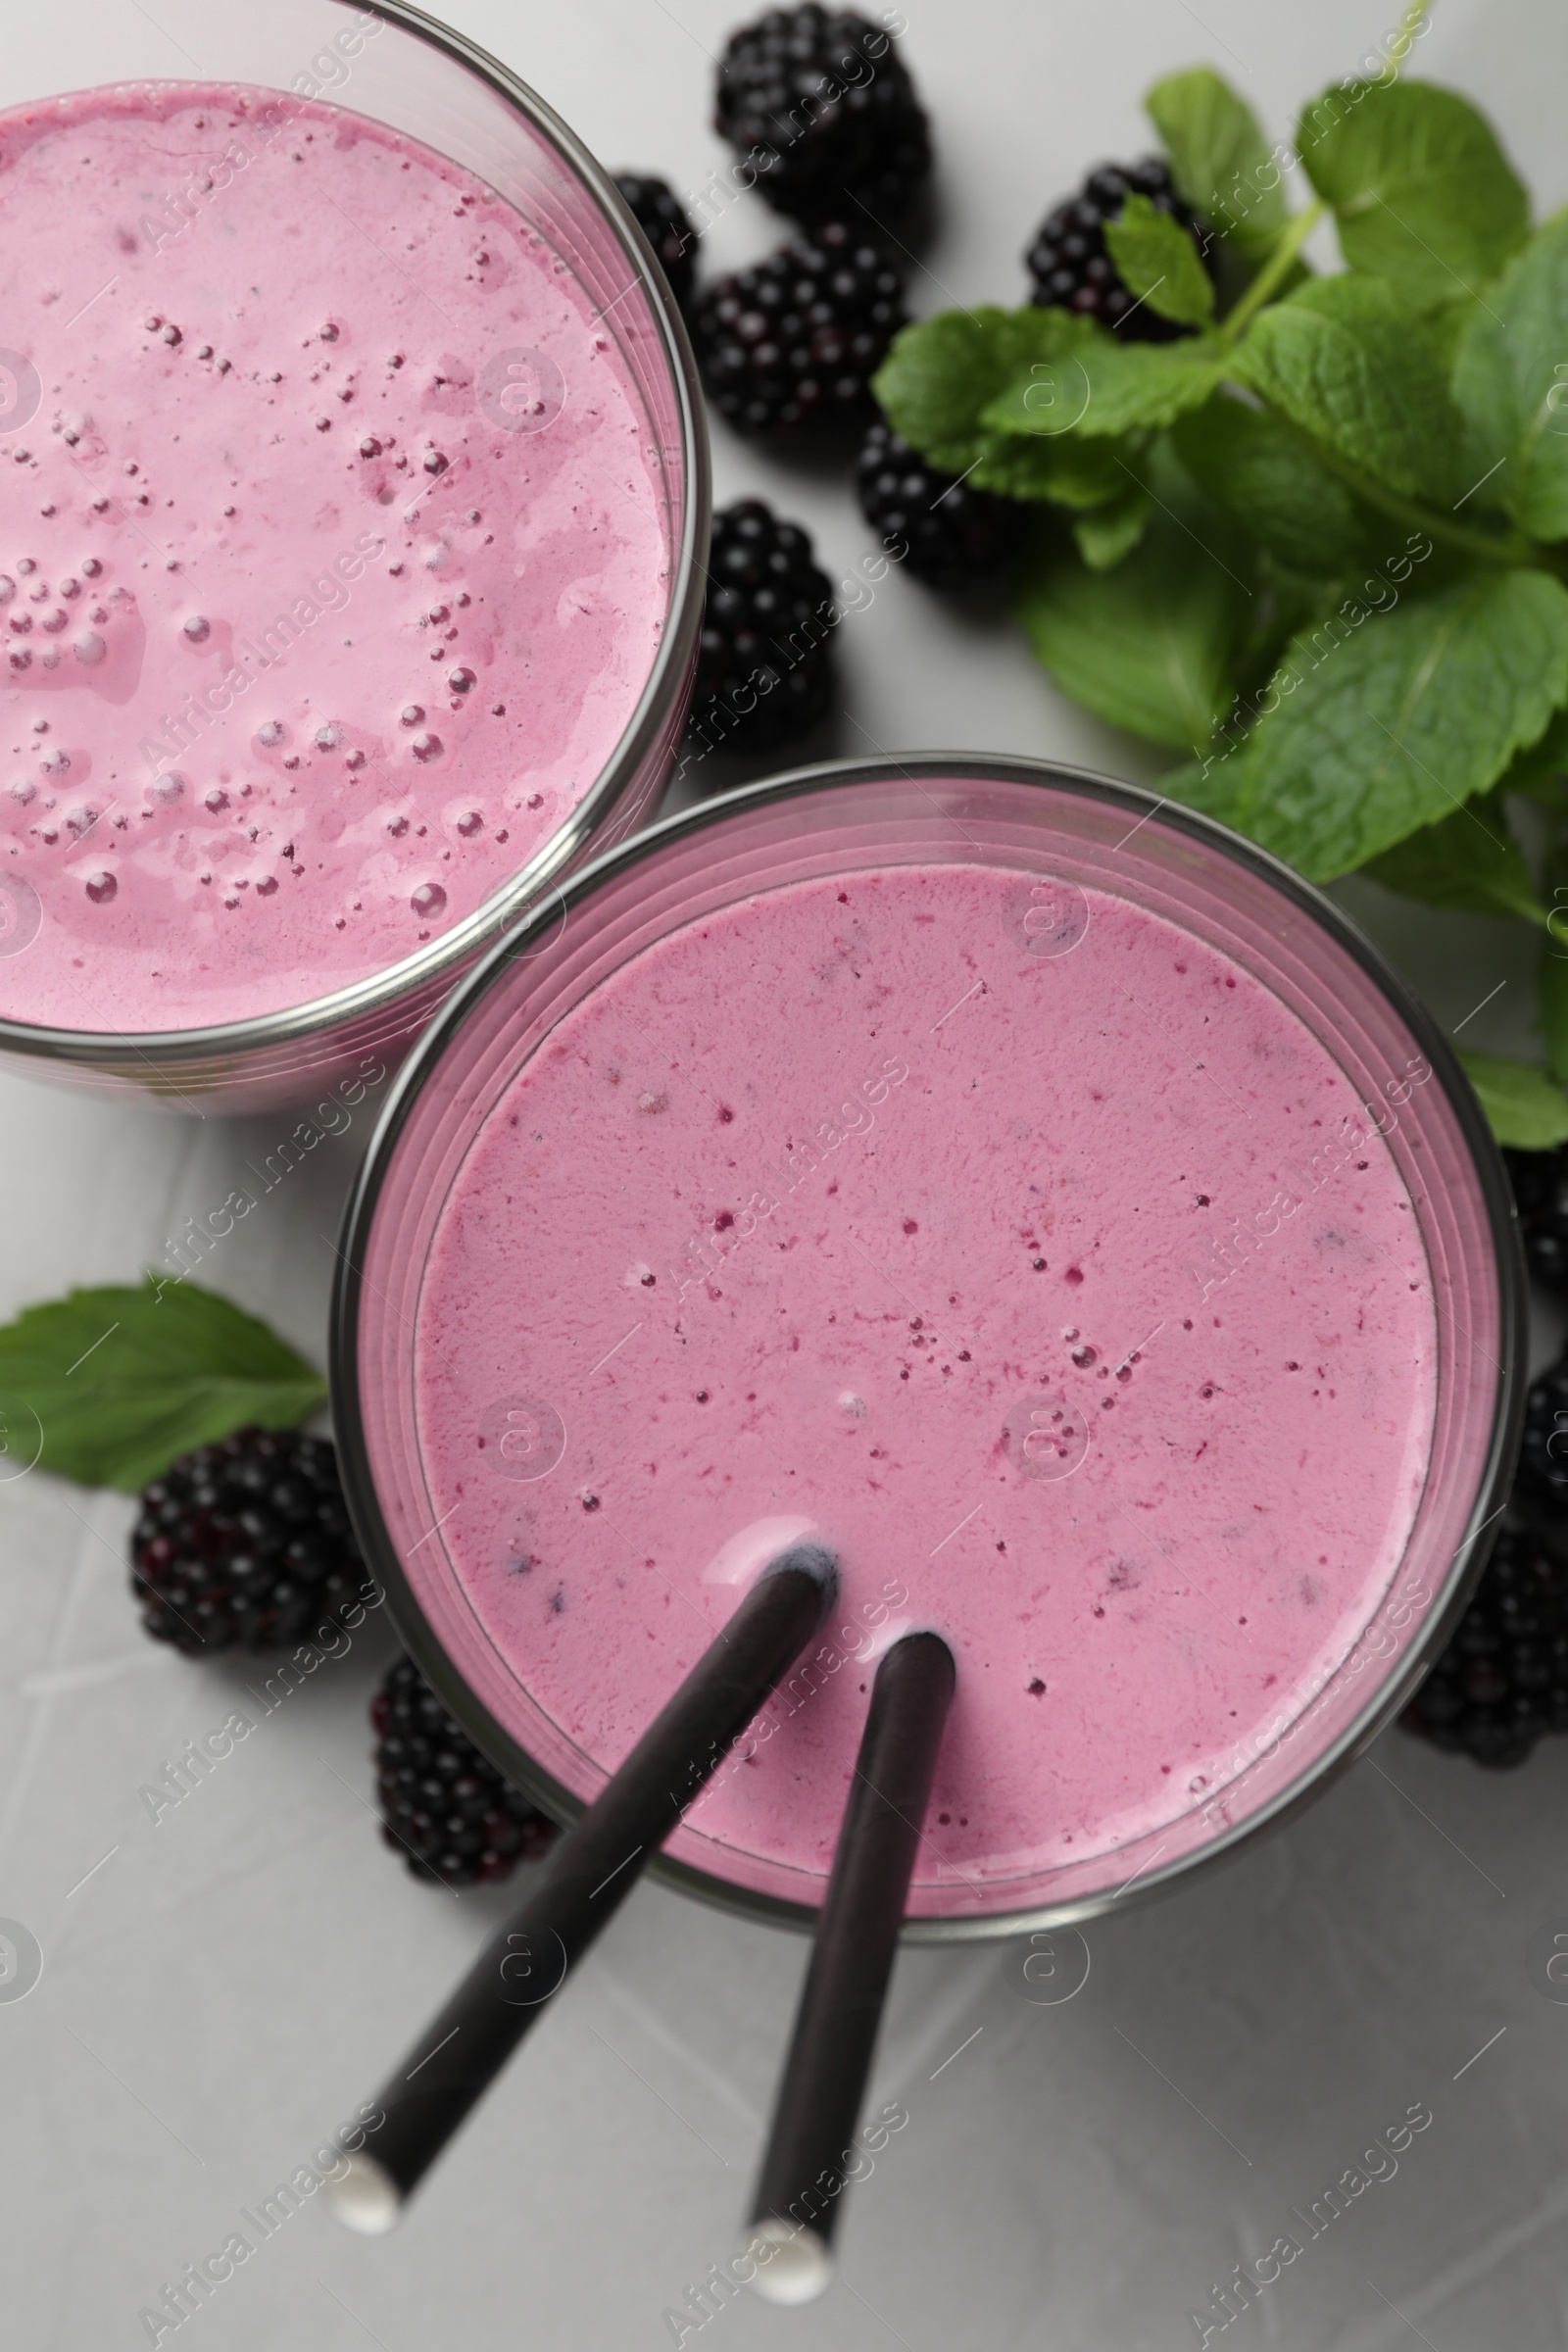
(1158, 261)
(1350, 361)
(1538, 773)
(1072, 472)
(1379, 724)
(1141, 386)
(1107, 533)
(1528, 1112)
(1220, 160)
(941, 371)
(1262, 474)
(124, 1380)
(1468, 862)
(960, 388)
(1209, 785)
(1422, 192)
(1155, 646)
(1107, 388)
(1511, 381)
(1447, 328)
(1555, 990)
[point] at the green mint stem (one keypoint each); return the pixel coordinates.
(1292, 238)
(1515, 551)
(1406, 37)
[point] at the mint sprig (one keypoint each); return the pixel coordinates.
(1320, 543)
(120, 1380)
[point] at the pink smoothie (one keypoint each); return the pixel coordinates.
(333, 559)
(903, 1208)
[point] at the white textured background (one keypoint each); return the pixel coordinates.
(227, 1986)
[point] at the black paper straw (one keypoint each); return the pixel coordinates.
(593, 1871)
(811, 2155)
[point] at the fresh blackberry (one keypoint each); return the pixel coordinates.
(247, 1545)
(1071, 267)
(821, 106)
(444, 1806)
(764, 671)
(660, 215)
(795, 341)
(954, 533)
(1503, 1682)
(1541, 1194)
(1544, 1456)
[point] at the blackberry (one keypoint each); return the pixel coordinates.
(1503, 1682)
(1544, 1456)
(795, 341)
(764, 671)
(444, 1806)
(1071, 267)
(819, 104)
(247, 1545)
(953, 534)
(1541, 1194)
(660, 215)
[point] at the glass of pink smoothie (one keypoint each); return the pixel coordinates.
(1020, 1185)
(353, 509)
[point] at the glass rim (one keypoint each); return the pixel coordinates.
(1463, 1570)
(115, 1050)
